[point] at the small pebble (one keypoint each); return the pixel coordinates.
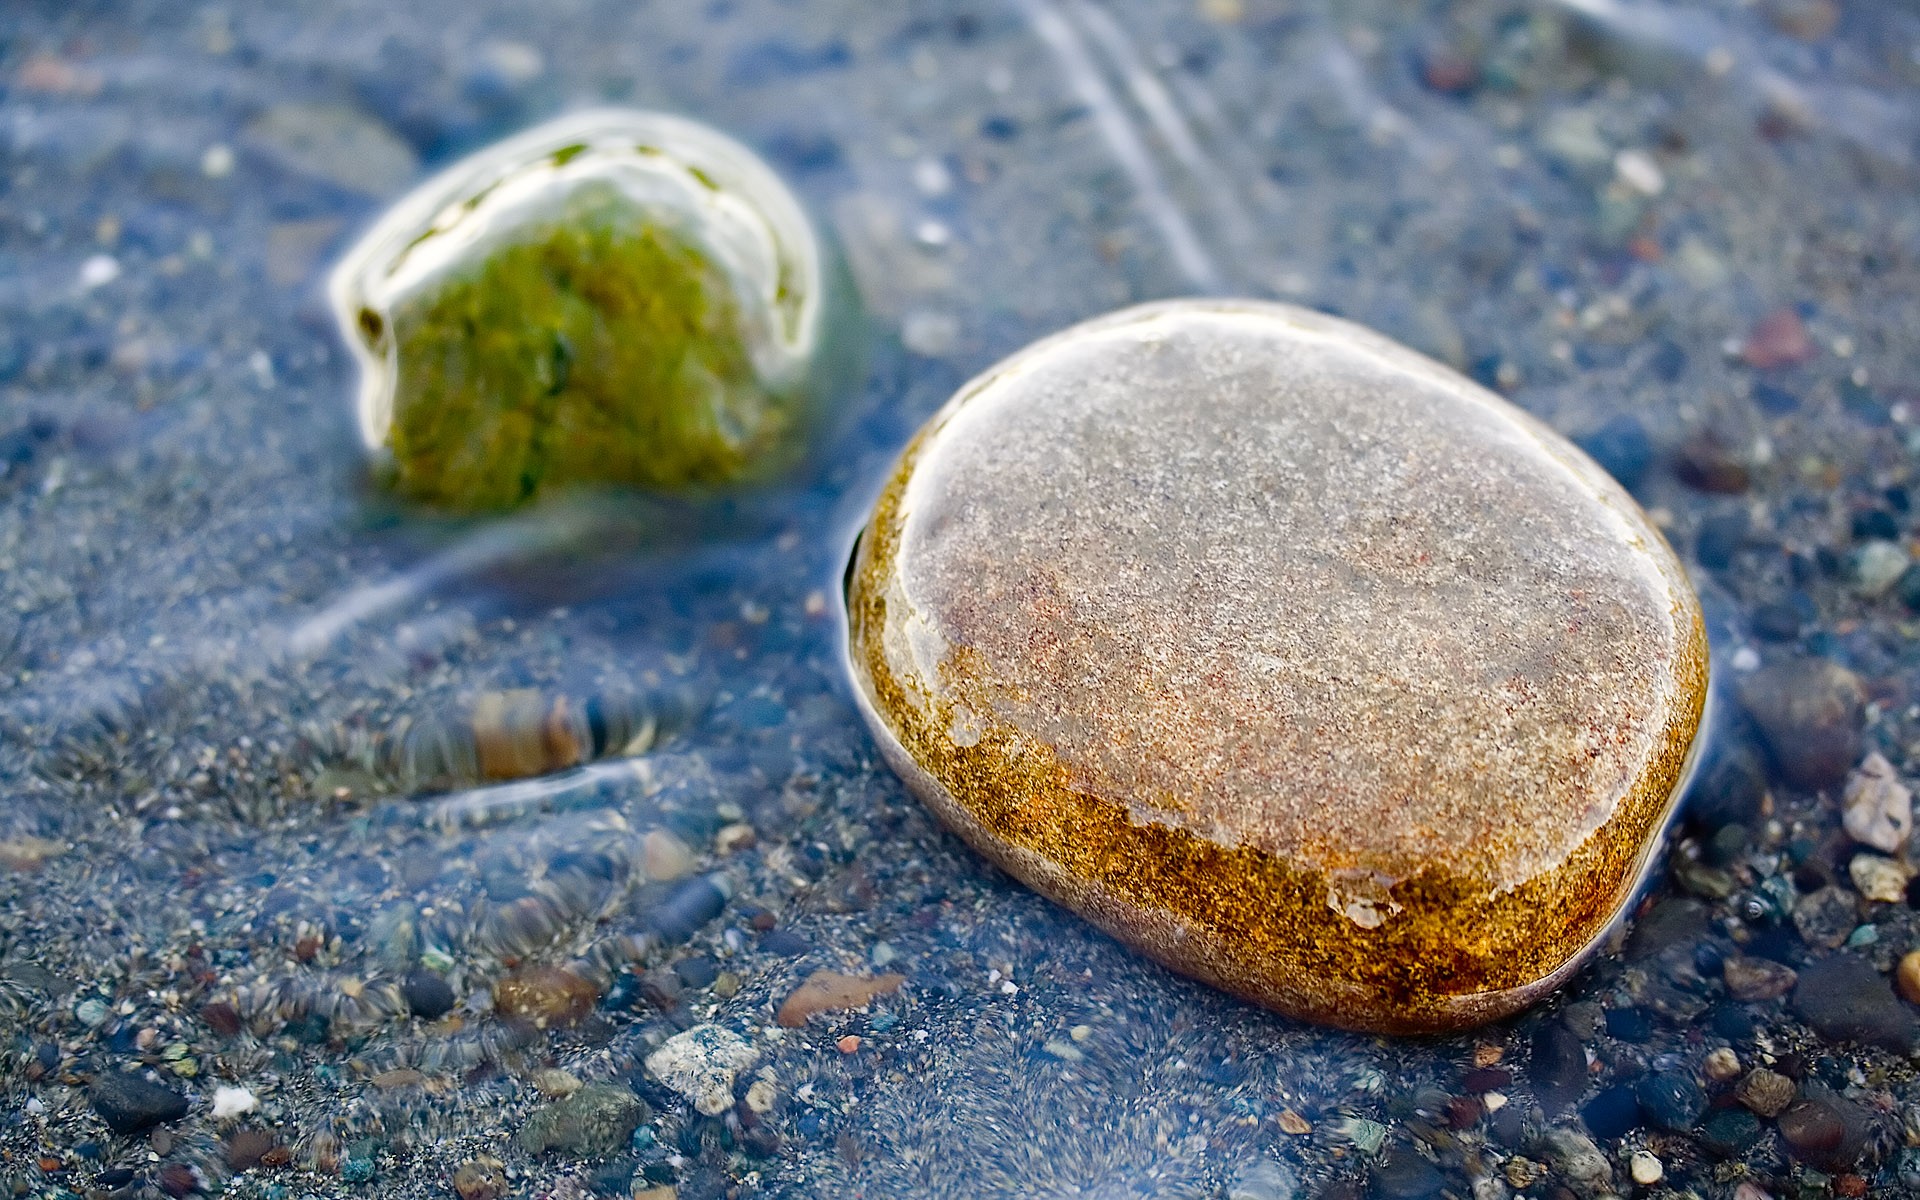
(1752, 979)
(1671, 1100)
(597, 1119)
(1779, 339)
(479, 1179)
(230, 1102)
(1845, 999)
(1645, 1168)
(700, 1063)
(830, 991)
(1809, 711)
(1906, 976)
(1877, 809)
(1721, 1064)
(1825, 917)
(544, 997)
(1767, 1093)
(427, 995)
(132, 1104)
(1877, 878)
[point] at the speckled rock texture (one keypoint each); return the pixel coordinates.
(1286, 655)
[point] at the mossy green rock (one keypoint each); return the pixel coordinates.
(615, 297)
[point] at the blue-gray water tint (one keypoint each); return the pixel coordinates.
(206, 617)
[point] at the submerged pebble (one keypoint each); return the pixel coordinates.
(613, 297)
(1287, 655)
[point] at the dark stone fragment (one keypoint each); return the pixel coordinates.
(1809, 712)
(1845, 999)
(1730, 1132)
(999, 128)
(662, 987)
(1875, 524)
(1814, 1129)
(805, 152)
(1629, 1025)
(761, 1141)
(428, 995)
(1486, 1079)
(1622, 448)
(698, 971)
(1674, 921)
(1719, 539)
(178, 1179)
(130, 1104)
(1671, 1100)
(1404, 1175)
(1733, 1022)
(784, 943)
(221, 1017)
(1709, 960)
(1558, 1066)
(688, 907)
(1728, 844)
(1730, 791)
(1612, 1113)
(1707, 464)
(1508, 1125)
(1908, 587)
(1913, 892)
(311, 1029)
(1776, 622)
(114, 1177)
(771, 61)
(1669, 362)
(246, 1147)
(1774, 400)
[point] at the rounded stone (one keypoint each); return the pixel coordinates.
(613, 297)
(1286, 655)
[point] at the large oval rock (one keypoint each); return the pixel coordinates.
(1286, 655)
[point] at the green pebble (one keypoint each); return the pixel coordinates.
(613, 298)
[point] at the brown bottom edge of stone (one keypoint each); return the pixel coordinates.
(1195, 952)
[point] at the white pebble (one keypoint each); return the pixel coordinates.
(1645, 1168)
(931, 176)
(217, 162)
(1638, 171)
(1878, 807)
(233, 1102)
(98, 270)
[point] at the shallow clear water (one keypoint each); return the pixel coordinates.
(209, 622)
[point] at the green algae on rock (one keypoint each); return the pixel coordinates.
(613, 297)
(1286, 655)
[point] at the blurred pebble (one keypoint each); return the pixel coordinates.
(1558, 1067)
(665, 857)
(1906, 976)
(1809, 711)
(597, 1119)
(1578, 1160)
(700, 1064)
(1877, 807)
(1825, 917)
(830, 991)
(1721, 1064)
(1671, 1100)
(1264, 1178)
(1622, 448)
(131, 1104)
(1876, 566)
(1751, 979)
(544, 997)
(1766, 1092)
(1645, 1168)
(479, 1179)
(334, 143)
(427, 995)
(1878, 878)
(1779, 339)
(1707, 463)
